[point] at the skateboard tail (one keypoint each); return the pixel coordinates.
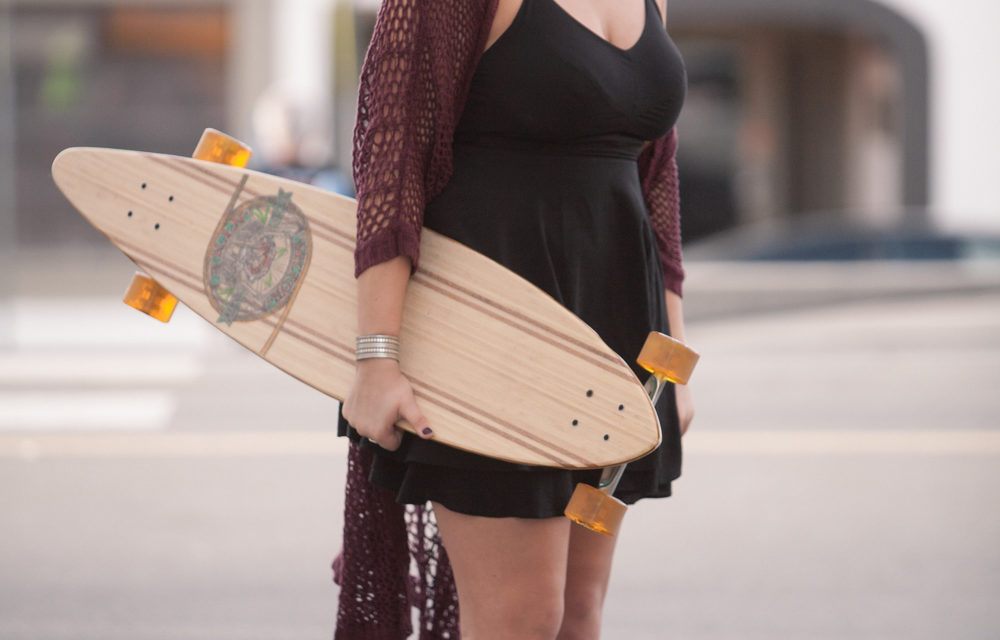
(66, 175)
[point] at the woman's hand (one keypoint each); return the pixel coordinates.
(379, 397)
(685, 406)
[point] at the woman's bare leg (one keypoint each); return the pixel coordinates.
(587, 574)
(510, 574)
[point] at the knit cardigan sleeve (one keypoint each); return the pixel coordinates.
(658, 175)
(412, 89)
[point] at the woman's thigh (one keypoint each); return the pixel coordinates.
(510, 572)
(588, 572)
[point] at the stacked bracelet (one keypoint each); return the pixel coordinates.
(377, 346)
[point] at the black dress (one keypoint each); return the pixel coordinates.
(546, 182)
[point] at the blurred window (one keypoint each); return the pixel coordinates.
(126, 76)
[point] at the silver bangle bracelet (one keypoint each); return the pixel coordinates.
(377, 346)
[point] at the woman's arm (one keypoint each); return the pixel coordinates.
(381, 291)
(413, 80)
(685, 401)
(658, 173)
(675, 315)
(381, 395)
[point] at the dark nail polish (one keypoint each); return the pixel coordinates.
(427, 431)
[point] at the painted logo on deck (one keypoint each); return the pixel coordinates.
(258, 258)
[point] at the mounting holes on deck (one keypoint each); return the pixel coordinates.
(130, 214)
(170, 199)
(606, 437)
(156, 227)
(575, 423)
(621, 407)
(590, 393)
(144, 186)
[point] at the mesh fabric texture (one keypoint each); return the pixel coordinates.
(392, 560)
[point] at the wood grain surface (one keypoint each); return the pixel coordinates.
(498, 366)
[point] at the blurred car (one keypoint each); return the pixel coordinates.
(840, 237)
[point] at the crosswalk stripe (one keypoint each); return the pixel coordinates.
(95, 367)
(96, 321)
(845, 441)
(173, 444)
(86, 410)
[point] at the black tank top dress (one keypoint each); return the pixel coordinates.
(546, 182)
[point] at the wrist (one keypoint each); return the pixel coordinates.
(376, 373)
(377, 365)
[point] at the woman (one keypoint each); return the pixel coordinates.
(538, 132)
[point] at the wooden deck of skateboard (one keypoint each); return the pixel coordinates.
(498, 366)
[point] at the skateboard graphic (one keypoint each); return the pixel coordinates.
(499, 367)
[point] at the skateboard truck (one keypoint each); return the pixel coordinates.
(596, 508)
(144, 293)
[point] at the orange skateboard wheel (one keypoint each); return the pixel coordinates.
(216, 146)
(667, 358)
(595, 510)
(149, 297)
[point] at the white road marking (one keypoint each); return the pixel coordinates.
(173, 444)
(97, 321)
(86, 410)
(97, 368)
(323, 443)
(845, 442)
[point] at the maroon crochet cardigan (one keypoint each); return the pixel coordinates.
(413, 87)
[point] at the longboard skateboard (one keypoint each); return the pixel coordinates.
(498, 366)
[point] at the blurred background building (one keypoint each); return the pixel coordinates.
(874, 114)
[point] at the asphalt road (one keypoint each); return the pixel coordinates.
(157, 482)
